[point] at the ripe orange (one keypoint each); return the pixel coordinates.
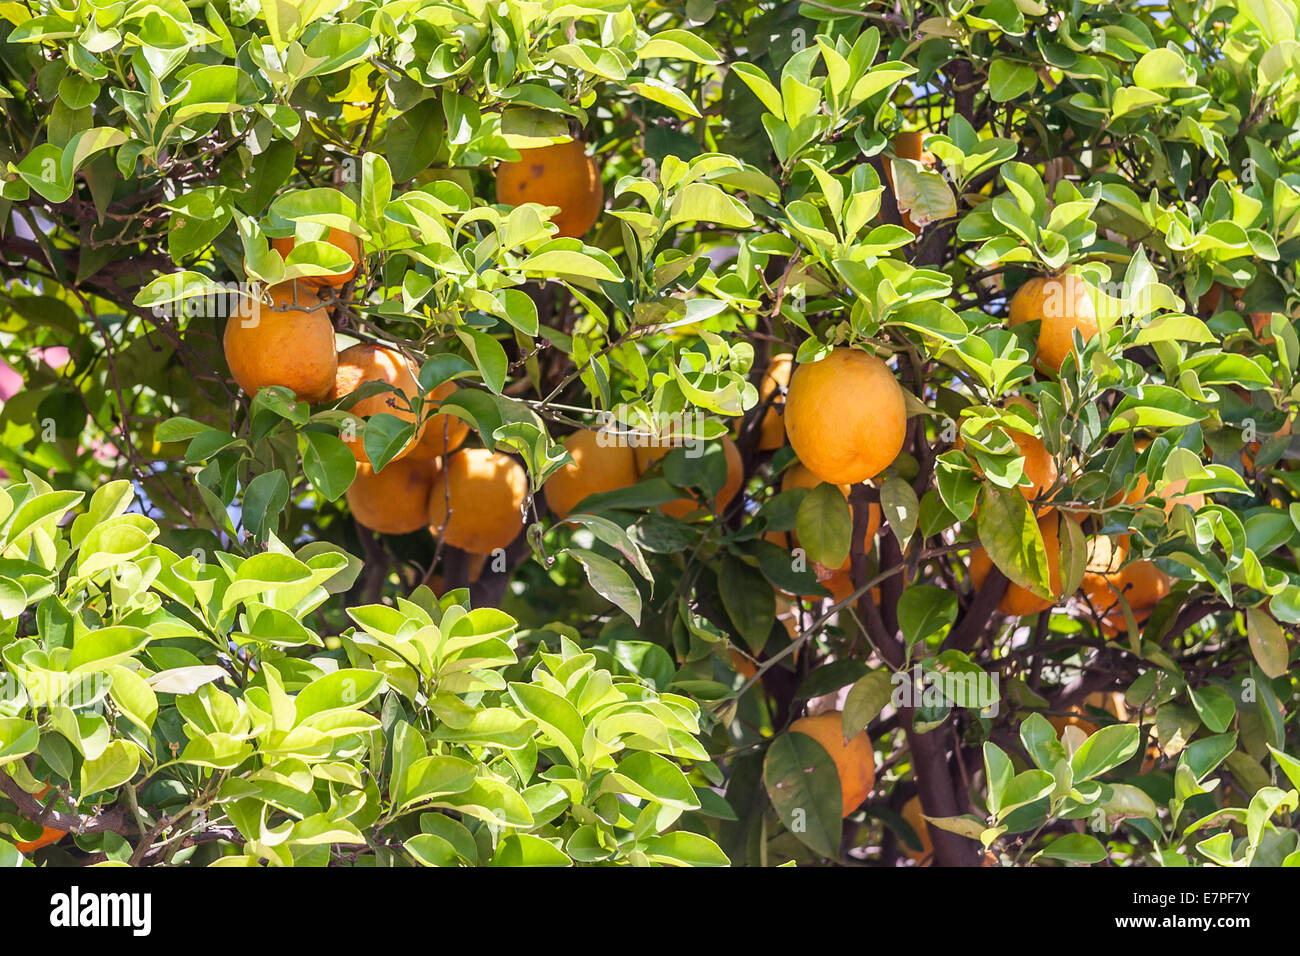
(837, 580)
(363, 363)
(1259, 322)
(1171, 492)
(340, 239)
(647, 455)
(48, 835)
(742, 664)
(486, 491)
(771, 433)
(913, 813)
(1063, 304)
(395, 500)
(1039, 467)
(1106, 577)
(595, 468)
(282, 343)
(845, 416)
(561, 175)
(1018, 601)
(442, 433)
(854, 759)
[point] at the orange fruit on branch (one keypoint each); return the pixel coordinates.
(846, 416)
(914, 814)
(838, 580)
(771, 432)
(486, 492)
(854, 759)
(441, 433)
(681, 508)
(560, 175)
(1018, 601)
(1062, 304)
(362, 363)
(1039, 465)
(340, 239)
(395, 500)
(1107, 576)
(48, 836)
(288, 341)
(595, 468)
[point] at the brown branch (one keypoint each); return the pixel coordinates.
(116, 820)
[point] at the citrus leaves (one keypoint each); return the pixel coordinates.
(1268, 642)
(1011, 537)
(314, 751)
(749, 601)
(825, 525)
(922, 193)
(804, 787)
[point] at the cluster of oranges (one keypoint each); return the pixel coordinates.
(473, 498)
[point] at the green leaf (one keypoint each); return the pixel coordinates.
(1011, 537)
(748, 599)
(825, 525)
(648, 775)
(1075, 848)
(527, 849)
(998, 771)
(665, 95)
(900, 508)
(804, 787)
(1009, 80)
(328, 464)
(684, 848)
(18, 738)
(1106, 749)
(414, 139)
(264, 502)
(1267, 642)
(560, 722)
(1160, 69)
(1214, 706)
(262, 574)
(548, 262)
(384, 436)
(112, 768)
(610, 581)
(1024, 789)
(924, 611)
(678, 45)
(102, 648)
(704, 202)
(347, 689)
(488, 355)
(866, 699)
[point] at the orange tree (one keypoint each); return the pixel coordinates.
(454, 433)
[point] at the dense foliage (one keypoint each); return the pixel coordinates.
(206, 659)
